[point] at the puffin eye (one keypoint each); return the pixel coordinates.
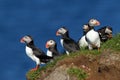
(92, 20)
(51, 41)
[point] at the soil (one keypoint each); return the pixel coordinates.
(106, 66)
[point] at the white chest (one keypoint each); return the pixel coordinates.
(30, 54)
(83, 42)
(49, 53)
(92, 36)
(29, 51)
(61, 41)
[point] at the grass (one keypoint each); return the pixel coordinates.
(79, 73)
(34, 75)
(113, 44)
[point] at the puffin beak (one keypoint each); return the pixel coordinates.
(47, 45)
(110, 36)
(57, 33)
(22, 40)
(98, 23)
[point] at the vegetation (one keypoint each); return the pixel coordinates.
(34, 75)
(113, 44)
(79, 73)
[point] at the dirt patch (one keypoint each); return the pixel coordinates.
(107, 67)
(103, 67)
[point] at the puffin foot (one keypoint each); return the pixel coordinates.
(36, 68)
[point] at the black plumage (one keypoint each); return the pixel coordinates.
(104, 34)
(39, 53)
(51, 45)
(68, 43)
(34, 53)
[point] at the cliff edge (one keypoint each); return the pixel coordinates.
(84, 65)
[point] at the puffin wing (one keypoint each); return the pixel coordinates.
(55, 51)
(40, 54)
(70, 45)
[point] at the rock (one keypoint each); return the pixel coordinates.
(60, 73)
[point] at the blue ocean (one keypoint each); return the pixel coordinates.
(41, 19)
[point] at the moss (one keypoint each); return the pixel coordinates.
(79, 73)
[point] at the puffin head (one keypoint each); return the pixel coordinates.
(108, 31)
(61, 31)
(50, 43)
(26, 39)
(94, 22)
(86, 28)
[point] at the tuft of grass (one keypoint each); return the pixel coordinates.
(113, 43)
(33, 75)
(79, 73)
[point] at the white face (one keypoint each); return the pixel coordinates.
(94, 22)
(107, 30)
(61, 31)
(85, 28)
(50, 43)
(26, 39)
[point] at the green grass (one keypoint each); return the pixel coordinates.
(34, 75)
(113, 44)
(79, 73)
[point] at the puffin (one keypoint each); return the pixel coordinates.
(92, 37)
(52, 50)
(86, 27)
(33, 52)
(105, 33)
(67, 43)
(82, 41)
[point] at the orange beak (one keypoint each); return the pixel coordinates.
(57, 33)
(98, 23)
(47, 45)
(22, 40)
